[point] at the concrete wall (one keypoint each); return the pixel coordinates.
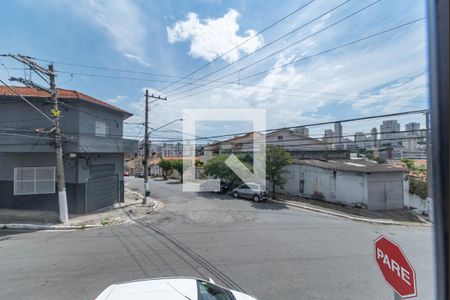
(16, 113)
(76, 174)
(349, 188)
(77, 124)
(376, 191)
(8, 161)
(414, 202)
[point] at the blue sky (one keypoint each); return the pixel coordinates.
(173, 38)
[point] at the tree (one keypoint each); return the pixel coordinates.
(408, 162)
(165, 165)
(276, 159)
(217, 168)
(379, 160)
(178, 166)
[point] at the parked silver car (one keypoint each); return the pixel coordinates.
(252, 191)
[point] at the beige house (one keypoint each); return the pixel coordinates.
(292, 141)
(242, 143)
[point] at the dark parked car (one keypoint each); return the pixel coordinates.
(224, 187)
(252, 191)
(139, 175)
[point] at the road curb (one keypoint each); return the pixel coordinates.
(47, 227)
(156, 205)
(359, 219)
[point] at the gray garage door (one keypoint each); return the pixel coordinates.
(102, 187)
(385, 191)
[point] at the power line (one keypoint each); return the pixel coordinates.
(24, 99)
(24, 135)
(310, 56)
(316, 143)
(225, 83)
(240, 44)
(298, 41)
(267, 45)
(421, 111)
(251, 86)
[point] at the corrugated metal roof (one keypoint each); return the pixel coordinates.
(351, 165)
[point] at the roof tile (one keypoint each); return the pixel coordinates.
(62, 93)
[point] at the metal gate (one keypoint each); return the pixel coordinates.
(385, 191)
(102, 187)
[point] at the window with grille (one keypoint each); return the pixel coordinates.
(101, 128)
(34, 180)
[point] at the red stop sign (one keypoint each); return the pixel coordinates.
(395, 267)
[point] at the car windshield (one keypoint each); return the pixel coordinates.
(254, 186)
(284, 149)
(210, 291)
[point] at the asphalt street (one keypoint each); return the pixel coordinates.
(266, 249)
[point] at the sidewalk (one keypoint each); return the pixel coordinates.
(31, 219)
(389, 217)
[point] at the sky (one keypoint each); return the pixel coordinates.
(208, 54)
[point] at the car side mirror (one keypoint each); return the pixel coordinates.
(211, 280)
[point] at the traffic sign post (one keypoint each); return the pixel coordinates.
(397, 271)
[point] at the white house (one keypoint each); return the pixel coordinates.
(355, 183)
(293, 141)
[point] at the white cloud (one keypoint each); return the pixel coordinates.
(121, 20)
(116, 99)
(210, 38)
(382, 75)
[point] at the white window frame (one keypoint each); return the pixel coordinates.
(101, 128)
(34, 180)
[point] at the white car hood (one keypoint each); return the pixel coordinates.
(241, 296)
(157, 289)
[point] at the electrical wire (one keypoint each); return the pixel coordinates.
(24, 99)
(251, 86)
(269, 44)
(240, 44)
(421, 111)
(309, 56)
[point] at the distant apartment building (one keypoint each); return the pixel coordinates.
(390, 133)
(166, 149)
(413, 137)
(328, 138)
(413, 129)
(374, 137)
(301, 131)
(338, 145)
(362, 141)
(349, 144)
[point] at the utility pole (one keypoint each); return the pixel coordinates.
(146, 148)
(56, 130)
(146, 152)
(429, 166)
(62, 195)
